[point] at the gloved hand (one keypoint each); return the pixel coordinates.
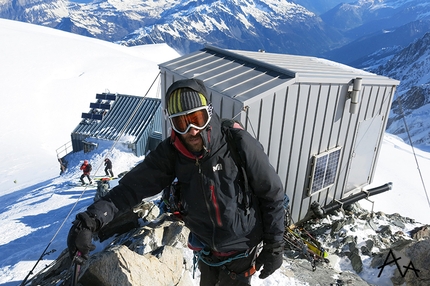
(80, 236)
(271, 257)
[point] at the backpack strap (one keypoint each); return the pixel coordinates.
(226, 126)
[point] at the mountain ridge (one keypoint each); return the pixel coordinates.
(365, 34)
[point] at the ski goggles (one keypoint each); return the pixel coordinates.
(196, 118)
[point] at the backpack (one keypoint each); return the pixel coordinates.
(89, 168)
(226, 126)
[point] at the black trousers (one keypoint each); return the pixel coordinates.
(108, 172)
(223, 276)
(88, 177)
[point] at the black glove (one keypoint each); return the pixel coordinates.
(80, 237)
(271, 257)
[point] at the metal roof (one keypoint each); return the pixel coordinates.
(129, 116)
(245, 74)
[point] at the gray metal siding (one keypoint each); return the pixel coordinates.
(303, 120)
(330, 130)
(226, 75)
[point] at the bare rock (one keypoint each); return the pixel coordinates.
(121, 266)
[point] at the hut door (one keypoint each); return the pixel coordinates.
(365, 153)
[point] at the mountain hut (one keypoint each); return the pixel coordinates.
(129, 120)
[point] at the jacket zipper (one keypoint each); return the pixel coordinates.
(207, 205)
(215, 203)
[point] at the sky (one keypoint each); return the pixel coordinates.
(48, 78)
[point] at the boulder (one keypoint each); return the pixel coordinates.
(119, 265)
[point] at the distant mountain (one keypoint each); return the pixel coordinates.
(42, 12)
(320, 7)
(412, 67)
(271, 25)
(376, 26)
(367, 34)
(379, 45)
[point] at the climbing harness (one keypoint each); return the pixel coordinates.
(205, 253)
(244, 276)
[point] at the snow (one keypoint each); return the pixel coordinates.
(48, 78)
(54, 83)
(410, 179)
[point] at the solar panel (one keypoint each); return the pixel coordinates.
(324, 170)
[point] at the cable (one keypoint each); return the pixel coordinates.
(52, 239)
(413, 150)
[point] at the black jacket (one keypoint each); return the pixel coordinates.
(108, 164)
(210, 190)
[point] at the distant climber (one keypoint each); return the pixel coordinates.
(63, 165)
(108, 168)
(86, 168)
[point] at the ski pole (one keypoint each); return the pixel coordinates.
(76, 268)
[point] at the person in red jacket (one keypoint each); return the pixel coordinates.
(86, 168)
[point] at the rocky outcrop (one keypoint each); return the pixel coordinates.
(385, 240)
(153, 251)
(119, 265)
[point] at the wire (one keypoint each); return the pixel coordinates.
(52, 239)
(413, 149)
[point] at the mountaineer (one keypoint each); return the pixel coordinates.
(227, 223)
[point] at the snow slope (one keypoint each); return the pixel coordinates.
(48, 78)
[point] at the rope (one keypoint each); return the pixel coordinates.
(52, 239)
(198, 255)
(85, 189)
(413, 149)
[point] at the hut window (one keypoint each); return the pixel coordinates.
(324, 170)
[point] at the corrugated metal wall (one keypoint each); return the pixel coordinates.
(303, 120)
(131, 118)
(295, 114)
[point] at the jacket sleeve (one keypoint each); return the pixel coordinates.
(265, 184)
(146, 179)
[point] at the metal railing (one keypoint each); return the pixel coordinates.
(64, 149)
